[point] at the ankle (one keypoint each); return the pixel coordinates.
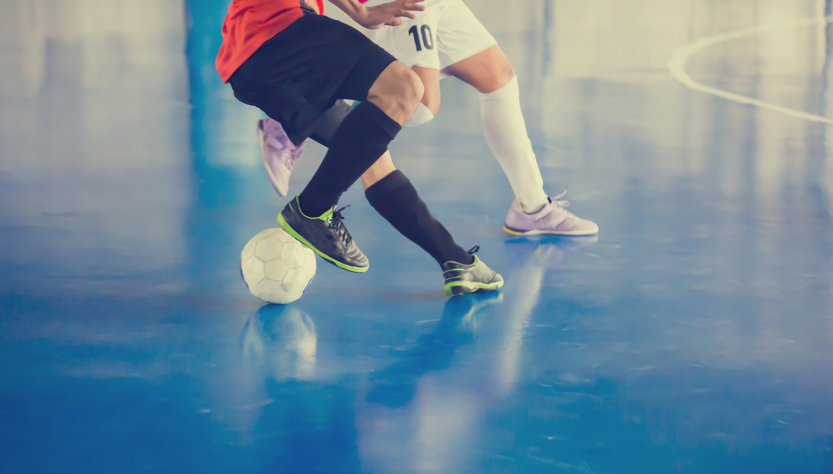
(532, 208)
(465, 259)
(311, 210)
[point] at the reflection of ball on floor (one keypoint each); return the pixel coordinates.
(276, 267)
(281, 342)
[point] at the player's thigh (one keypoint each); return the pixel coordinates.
(486, 71)
(296, 87)
(468, 51)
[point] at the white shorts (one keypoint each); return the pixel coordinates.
(445, 33)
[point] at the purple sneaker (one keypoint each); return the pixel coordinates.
(551, 219)
(278, 153)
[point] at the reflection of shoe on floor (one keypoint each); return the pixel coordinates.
(435, 351)
(551, 252)
(278, 153)
(552, 219)
(470, 307)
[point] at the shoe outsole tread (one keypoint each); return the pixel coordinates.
(460, 288)
(273, 180)
(548, 232)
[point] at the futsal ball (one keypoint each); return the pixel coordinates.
(276, 267)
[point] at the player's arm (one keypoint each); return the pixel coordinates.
(380, 15)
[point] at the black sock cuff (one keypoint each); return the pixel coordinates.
(376, 193)
(330, 122)
(390, 126)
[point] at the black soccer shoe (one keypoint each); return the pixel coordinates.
(464, 279)
(325, 235)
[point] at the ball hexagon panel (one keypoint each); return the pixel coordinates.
(269, 291)
(295, 281)
(307, 251)
(276, 269)
(309, 263)
(268, 249)
(290, 297)
(254, 271)
(293, 254)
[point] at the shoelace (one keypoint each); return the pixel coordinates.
(337, 225)
(284, 154)
(561, 205)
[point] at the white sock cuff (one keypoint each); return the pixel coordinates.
(421, 116)
(508, 91)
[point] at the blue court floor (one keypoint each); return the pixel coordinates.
(694, 335)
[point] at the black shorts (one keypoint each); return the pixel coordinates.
(299, 74)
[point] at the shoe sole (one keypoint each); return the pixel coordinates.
(261, 139)
(574, 233)
(289, 230)
(460, 288)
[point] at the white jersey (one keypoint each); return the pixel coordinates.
(445, 33)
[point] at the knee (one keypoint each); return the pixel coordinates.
(411, 90)
(496, 77)
(397, 92)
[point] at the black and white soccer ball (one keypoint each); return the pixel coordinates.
(277, 267)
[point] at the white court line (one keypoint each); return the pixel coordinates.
(676, 66)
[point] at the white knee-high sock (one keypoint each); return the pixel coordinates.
(421, 116)
(503, 124)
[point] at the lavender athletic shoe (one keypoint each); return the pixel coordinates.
(551, 219)
(278, 153)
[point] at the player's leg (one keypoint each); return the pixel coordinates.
(492, 75)
(394, 197)
(430, 103)
(341, 63)
(364, 134)
(414, 44)
(470, 53)
(486, 71)
(279, 154)
(391, 193)
(358, 142)
(490, 72)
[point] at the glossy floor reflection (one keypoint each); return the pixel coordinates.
(693, 335)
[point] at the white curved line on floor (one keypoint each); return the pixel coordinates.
(677, 63)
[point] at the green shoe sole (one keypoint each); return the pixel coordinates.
(289, 230)
(459, 288)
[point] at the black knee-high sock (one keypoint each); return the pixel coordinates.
(395, 198)
(359, 141)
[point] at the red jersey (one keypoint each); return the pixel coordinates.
(250, 23)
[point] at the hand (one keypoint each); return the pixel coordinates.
(390, 13)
